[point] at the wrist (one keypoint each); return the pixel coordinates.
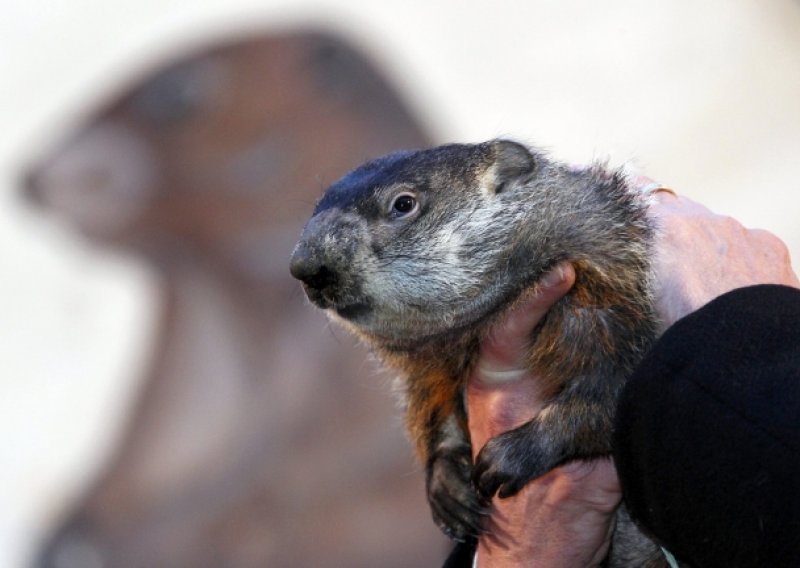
(495, 408)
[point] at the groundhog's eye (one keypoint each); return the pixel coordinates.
(403, 204)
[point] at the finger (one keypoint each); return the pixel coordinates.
(770, 242)
(503, 349)
(776, 258)
(663, 205)
(655, 189)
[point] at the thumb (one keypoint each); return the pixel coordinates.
(502, 352)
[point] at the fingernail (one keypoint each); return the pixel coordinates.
(553, 278)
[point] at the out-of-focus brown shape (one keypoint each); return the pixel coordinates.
(261, 437)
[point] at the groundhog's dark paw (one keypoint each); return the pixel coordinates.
(509, 461)
(493, 472)
(455, 505)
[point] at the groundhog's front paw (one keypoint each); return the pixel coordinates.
(512, 459)
(454, 503)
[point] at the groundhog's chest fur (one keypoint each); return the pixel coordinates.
(420, 252)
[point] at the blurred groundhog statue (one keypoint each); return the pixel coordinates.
(259, 438)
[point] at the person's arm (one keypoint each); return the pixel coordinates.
(707, 443)
(707, 439)
(564, 518)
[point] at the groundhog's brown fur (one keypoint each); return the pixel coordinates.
(420, 252)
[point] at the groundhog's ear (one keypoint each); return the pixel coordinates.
(512, 161)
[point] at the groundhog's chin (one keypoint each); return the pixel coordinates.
(404, 331)
(353, 312)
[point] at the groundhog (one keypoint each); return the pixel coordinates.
(420, 252)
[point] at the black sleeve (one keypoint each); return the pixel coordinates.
(707, 440)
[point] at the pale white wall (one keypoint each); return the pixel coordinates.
(704, 96)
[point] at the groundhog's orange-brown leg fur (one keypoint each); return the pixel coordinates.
(433, 396)
(437, 424)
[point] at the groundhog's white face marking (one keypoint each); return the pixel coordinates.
(421, 283)
(450, 243)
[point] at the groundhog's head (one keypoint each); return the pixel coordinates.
(419, 243)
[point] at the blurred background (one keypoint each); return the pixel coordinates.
(166, 397)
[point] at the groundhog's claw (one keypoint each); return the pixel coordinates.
(509, 461)
(455, 505)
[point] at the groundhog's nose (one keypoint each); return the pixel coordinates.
(310, 268)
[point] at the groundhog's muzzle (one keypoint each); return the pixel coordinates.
(323, 261)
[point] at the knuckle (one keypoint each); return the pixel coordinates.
(770, 241)
(731, 225)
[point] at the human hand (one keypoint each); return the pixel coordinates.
(700, 255)
(564, 518)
